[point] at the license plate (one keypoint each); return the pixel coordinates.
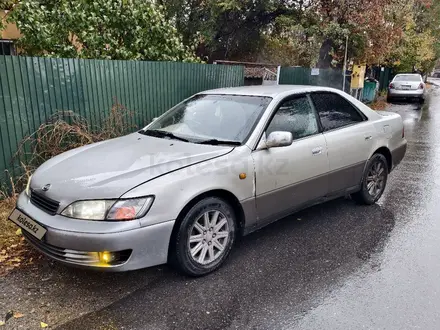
(406, 87)
(26, 223)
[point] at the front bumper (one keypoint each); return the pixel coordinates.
(148, 245)
(417, 93)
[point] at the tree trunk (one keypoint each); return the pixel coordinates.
(325, 59)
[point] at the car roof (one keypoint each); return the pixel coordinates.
(270, 91)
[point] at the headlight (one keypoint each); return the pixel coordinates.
(28, 187)
(123, 209)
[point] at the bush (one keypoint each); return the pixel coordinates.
(66, 130)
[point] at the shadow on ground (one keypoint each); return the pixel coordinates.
(295, 257)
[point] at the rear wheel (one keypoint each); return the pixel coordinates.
(205, 237)
(373, 181)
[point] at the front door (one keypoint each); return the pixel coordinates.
(288, 177)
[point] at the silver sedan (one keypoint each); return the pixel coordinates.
(407, 86)
(220, 164)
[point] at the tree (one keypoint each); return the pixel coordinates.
(228, 29)
(291, 41)
(373, 27)
(104, 29)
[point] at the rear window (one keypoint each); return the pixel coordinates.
(408, 77)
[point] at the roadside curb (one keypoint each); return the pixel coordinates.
(435, 83)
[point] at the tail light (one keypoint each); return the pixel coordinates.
(391, 86)
(421, 86)
(403, 132)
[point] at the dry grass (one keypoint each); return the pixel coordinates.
(62, 132)
(66, 130)
(380, 104)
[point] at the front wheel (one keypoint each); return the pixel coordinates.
(373, 181)
(204, 237)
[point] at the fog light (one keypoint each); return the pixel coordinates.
(106, 257)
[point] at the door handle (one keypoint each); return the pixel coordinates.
(368, 137)
(317, 151)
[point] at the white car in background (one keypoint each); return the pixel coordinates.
(407, 86)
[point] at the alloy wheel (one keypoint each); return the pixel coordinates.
(376, 179)
(208, 237)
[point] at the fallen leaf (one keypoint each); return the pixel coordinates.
(2, 323)
(17, 315)
(8, 316)
(43, 325)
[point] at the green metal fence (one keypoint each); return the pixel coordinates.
(32, 89)
(314, 77)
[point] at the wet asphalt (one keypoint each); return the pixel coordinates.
(333, 266)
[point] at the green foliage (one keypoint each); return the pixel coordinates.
(419, 47)
(228, 29)
(415, 51)
(298, 32)
(7, 4)
(288, 32)
(103, 29)
(290, 43)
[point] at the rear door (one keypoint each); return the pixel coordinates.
(349, 137)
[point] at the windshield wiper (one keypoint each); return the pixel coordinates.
(218, 142)
(160, 134)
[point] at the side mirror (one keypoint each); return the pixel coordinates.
(279, 139)
(154, 119)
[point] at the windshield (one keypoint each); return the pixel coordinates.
(206, 118)
(408, 77)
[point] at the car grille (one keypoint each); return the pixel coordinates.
(79, 257)
(42, 202)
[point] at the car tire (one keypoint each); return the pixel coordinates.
(373, 183)
(197, 248)
(389, 99)
(421, 100)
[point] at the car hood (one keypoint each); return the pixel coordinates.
(109, 169)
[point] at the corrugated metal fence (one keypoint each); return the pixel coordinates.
(32, 89)
(306, 76)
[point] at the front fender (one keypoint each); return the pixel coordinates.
(175, 190)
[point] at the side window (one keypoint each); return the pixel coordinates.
(295, 116)
(335, 111)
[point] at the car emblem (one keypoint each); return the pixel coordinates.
(46, 187)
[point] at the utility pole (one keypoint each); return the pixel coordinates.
(345, 64)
